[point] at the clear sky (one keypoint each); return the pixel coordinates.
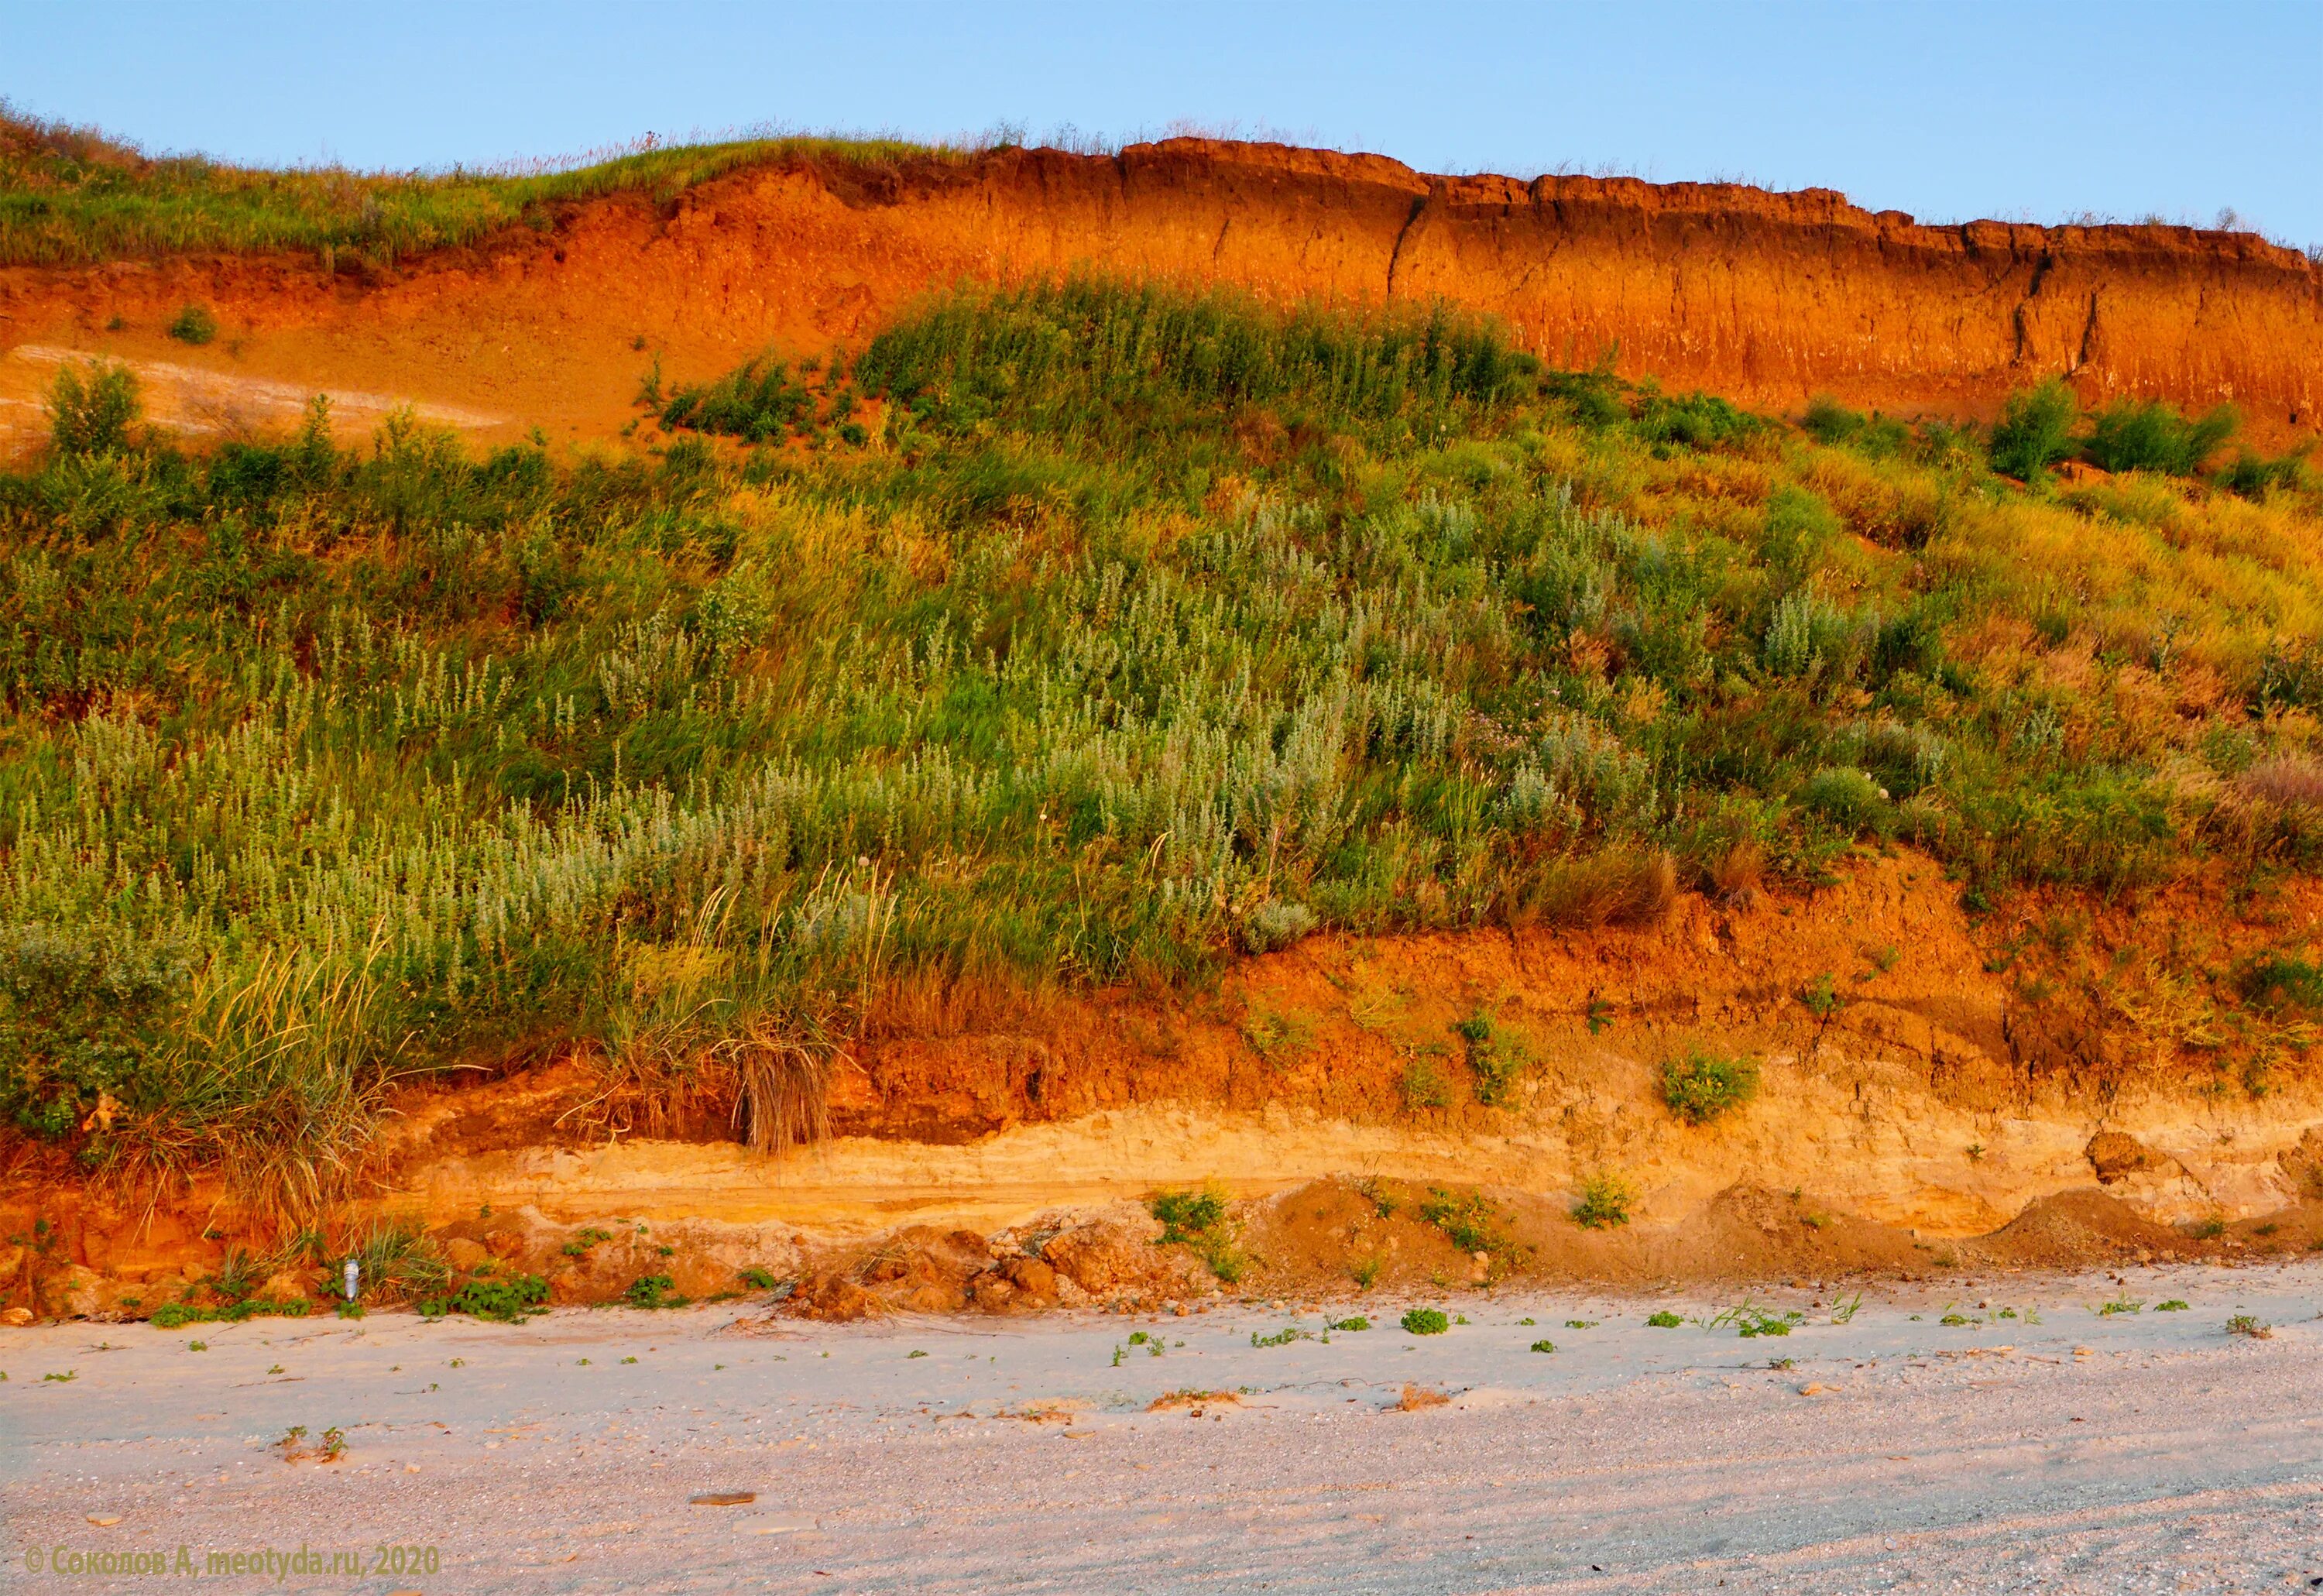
(2041, 109)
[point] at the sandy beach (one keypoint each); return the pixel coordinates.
(2036, 1442)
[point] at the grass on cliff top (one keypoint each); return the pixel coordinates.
(70, 195)
(1127, 631)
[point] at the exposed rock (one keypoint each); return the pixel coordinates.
(75, 1292)
(284, 1285)
(1036, 1279)
(2116, 1156)
(1100, 1258)
(832, 1297)
(2301, 1165)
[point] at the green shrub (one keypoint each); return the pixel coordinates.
(1850, 799)
(653, 1291)
(1276, 924)
(1701, 1086)
(1663, 1319)
(1187, 1215)
(194, 325)
(1696, 420)
(2035, 430)
(1280, 1037)
(756, 402)
(2128, 436)
(1544, 1345)
(1470, 1220)
(91, 407)
(1068, 356)
(1198, 1219)
(1496, 1059)
(2251, 474)
(1828, 421)
(1605, 1200)
(1424, 1084)
(1426, 1321)
(2282, 981)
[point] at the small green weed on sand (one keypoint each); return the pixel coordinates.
(1750, 1321)
(509, 1301)
(654, 1291)
(1426, 1321)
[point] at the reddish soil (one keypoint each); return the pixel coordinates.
(1326, 1034)
(1767, 298)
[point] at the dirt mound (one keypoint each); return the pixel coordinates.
(1750, 1231)
(1765, 298)
(1329, 1237)
(2074, 1227)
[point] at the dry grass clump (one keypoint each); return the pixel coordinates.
(2286, 781)
(1613, 888)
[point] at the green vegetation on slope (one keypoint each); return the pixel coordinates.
(1139, 629)
(70, 196)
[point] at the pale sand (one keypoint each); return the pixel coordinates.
(2174, 1457)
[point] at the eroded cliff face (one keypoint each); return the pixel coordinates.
(1918, 1110)
(1765, 297)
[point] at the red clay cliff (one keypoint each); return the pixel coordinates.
(1765, 298)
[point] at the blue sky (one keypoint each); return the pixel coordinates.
(1948, 111)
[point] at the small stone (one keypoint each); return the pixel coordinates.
(723, 1499)
(1816, 1387)
(16, 1317)
(105, 1520)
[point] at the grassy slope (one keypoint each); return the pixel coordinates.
(70, 196)
(1137, 630)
